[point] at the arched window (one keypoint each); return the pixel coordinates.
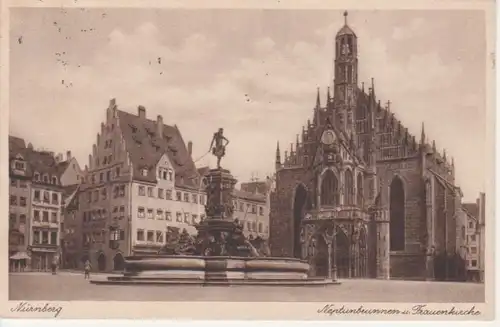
(397, 215)
(349, 187)
(329, 189)
(360, 195)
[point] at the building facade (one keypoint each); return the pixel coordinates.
(36, 202)
(356, 194)
(471, 242)
(141, 183)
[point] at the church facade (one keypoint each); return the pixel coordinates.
(357, 195)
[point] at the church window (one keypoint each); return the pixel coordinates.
(397, 215)
(359, 184)
(349, 187)
(329, 189)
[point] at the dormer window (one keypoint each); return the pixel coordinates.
(144, 172)
(54, 180)
(19, 165)
(36, 176)
(46, 179)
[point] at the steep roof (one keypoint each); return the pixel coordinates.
(146, 148)
(346, 30)
(471, 208)
(16, 144)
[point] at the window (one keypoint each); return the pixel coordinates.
(161, 193)
(117, 171)
(122, 190)
(22, 219)
(53, 238)
(45, 237)
(36, 196)
(150, 192)
(144, 172)
(168, 215)
(36, 177)
(122, 235)
(164, 174)
(23, 184)
(178, 196)
(45, 216)
(254, 209)
(194, 198)
(36, 237)
(13, 200)
(140, 235)
(19, 165)
(179, 216)
(242, 207)
(108, 175)
(186, 218)
(140, 212)
(46, 197)
(473, 263)
(170, 175)
(473, 238)
(261, 211)
(54, 180)
(142, 190)
(473, 250)
(12, 219)
(471, 224)
(55, 198)
(260, 227)
(150, 236)
(168, 194)
(159, 237)
(46, 179)
(122, 209)
(101, 177)
(202, 199)
(249, 226)
(53, 217)
(36, 215)
(104, 194)
(159, 214)
(116, 191)
(186, 197)
(13, 182)
(150, 214)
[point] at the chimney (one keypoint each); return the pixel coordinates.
(190, 148)
(68, 155)
(159, 126)
(30, 146)
(59, 157)
(141, 112)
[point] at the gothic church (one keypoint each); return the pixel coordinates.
(357, 196)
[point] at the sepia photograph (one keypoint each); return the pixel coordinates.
(337, 156)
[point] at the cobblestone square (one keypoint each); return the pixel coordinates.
(68, 286)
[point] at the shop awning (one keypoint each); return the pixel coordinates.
(20, 256)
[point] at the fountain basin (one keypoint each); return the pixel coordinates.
(214, 270)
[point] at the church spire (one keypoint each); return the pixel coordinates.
(328, 97)
(345, 17)
(278, 155)
(422, 135)
(318, 102)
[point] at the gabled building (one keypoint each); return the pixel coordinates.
(36, 186)
(140, 181)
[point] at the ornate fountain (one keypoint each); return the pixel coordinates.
(219, 254)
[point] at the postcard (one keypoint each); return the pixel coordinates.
(293, 160)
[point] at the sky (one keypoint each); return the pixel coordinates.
(253, 72)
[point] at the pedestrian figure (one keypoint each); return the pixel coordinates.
(87, 268)
(53, 267)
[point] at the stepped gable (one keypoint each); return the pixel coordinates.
(146, 148)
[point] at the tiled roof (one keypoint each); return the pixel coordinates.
(345, 30)
(146, 148)
(249, 196)
(471, 208)
(16, 144)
